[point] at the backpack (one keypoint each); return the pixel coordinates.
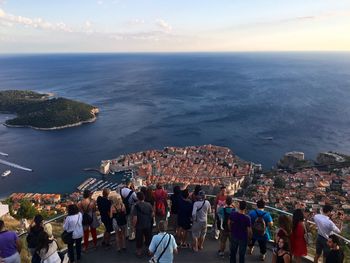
(126, 201)
(259, 226)
(87, 218)
(33, 238)
(160, 204)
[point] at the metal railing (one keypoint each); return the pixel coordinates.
(58, 228)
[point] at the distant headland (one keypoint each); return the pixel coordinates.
(44, 111)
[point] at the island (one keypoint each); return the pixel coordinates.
(44, 111)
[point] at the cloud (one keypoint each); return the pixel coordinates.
(99, 2)
(136, 22)
(39, 23)
(161, 23)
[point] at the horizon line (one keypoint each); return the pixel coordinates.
(172, 52)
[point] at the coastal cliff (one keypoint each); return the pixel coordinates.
(43, 111)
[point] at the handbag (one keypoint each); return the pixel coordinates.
(67, 237)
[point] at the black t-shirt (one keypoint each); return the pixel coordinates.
(335, 256)
(104, 206)
(143, 211)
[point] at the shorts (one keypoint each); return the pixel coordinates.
(108, 225)
(224, 235)
(143, 236)
(321, 246)
(199, 229)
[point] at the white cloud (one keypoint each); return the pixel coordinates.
(161, 23)
(136, 21)
(10, 20)
(99, 2)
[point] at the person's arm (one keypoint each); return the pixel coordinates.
(274, 257)
(335, 229)
(250, 233)
(216, 202)
(152, 247)
(194, 211)
(270, 221)
(18, 245)
(134, 216)
(286, 258)
(111, 210)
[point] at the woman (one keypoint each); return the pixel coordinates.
(298, 242)
(47, 249)
(284, 230)
(281, 253)
(88, 209)
(10, 245)
(118, 215)
(35, 229)
(73, 224)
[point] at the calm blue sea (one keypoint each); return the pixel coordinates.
(237, 100)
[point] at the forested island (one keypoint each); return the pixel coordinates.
(43, 111)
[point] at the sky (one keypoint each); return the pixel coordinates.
(50, 26)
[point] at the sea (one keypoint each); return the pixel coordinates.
(260, 105)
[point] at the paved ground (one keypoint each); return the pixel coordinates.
(185, 255)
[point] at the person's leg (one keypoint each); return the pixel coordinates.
(262, 245)
(78, 248)
(123, 234)
(94, 235)
(203, 233)
(148, 237)
(251, 246)
(139, 241)
(119, 240)
(242, 250)
(86, 238)
(319, 248)
(71, 252)
(233, 250)
(297, 259)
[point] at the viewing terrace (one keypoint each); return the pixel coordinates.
(209, 254)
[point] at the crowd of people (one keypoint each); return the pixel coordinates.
(131, 214)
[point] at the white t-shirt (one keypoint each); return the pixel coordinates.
(74, 224)
(124, 192)
(201, 210)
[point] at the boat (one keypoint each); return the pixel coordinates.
(6, 173)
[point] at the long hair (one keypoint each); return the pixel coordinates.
(298, 216)
(285, 223)
(43, 241)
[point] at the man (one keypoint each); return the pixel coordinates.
(241, 232)
(142, 214)
(104, 207)
(261, 222)
(325, 227)
(335, 255)
(10, 245)
(201, 209)
(163, 245)
(129, 199)
(224, 216)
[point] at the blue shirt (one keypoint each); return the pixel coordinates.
(267, 218)
(228, 212)
(168, 255)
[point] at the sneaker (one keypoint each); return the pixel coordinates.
(262, 257)
(132, 236)
(250, 250)
(221, 254)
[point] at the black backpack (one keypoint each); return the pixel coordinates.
(126, 201)
(87, 218)
(33, 238)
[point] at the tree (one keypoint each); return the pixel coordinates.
(26, 210)
(279, 182)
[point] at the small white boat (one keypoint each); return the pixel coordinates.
(6, 173)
